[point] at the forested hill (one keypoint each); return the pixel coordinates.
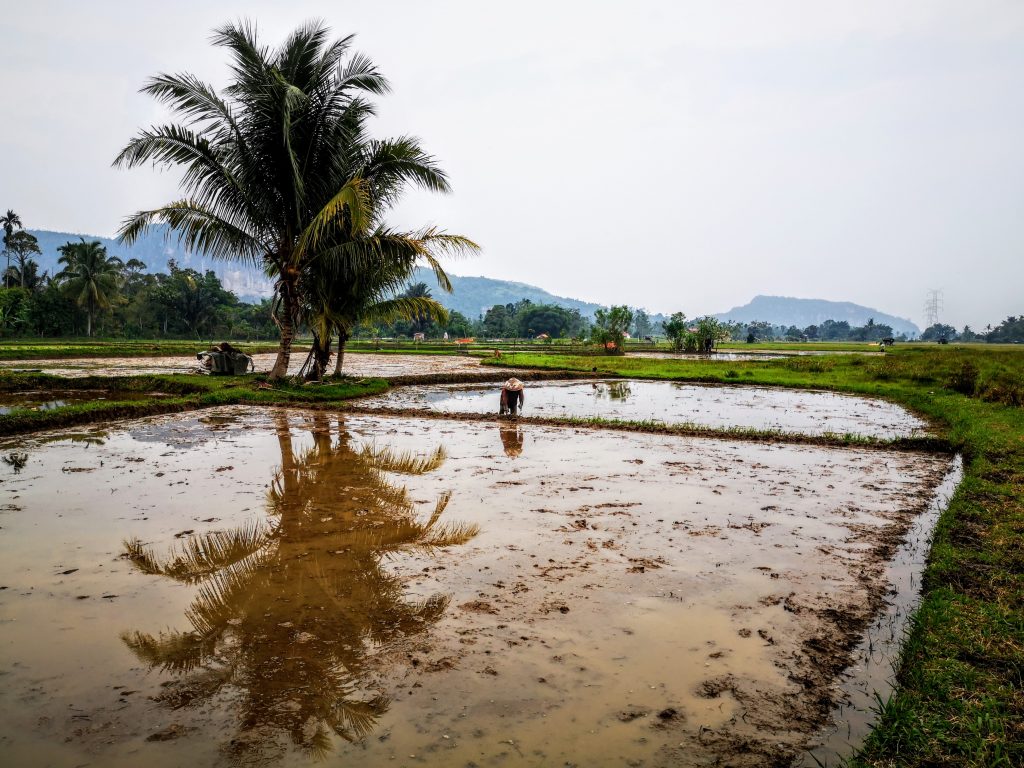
(473, 296)
(155, 250)
(787, 311)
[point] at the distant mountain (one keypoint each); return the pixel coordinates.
(785, 310)
(155, 250)
(473, 296)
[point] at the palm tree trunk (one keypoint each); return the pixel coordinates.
(290, 304)
(342, 340)
(321, 356)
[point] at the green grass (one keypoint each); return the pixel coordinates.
(960, 684)
(182, 393)
(41, 349)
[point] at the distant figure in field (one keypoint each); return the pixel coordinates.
(512, 397)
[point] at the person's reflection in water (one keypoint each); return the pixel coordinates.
(290, 607)
(511, 440)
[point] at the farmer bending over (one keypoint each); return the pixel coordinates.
(512, 397)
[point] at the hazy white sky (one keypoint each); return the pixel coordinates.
(673, 155)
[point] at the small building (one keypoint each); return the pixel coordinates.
(419, 337)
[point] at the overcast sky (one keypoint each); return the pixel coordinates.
(677, 156)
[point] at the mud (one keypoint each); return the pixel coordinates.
(786, 410)
(361, 364)
(268, 587)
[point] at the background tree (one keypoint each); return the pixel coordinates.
(610, 327)
(11, 222)
(23, 246)
(938, 332)
(641, 324)
(89, 277)
(709, 332)
(676, 328)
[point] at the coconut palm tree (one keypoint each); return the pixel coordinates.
(89, 277)
(10, 222)
(288, 610)
(281, 163)
(339, 298)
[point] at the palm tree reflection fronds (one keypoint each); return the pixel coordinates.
(177, 652)
(286, 611)
(405, 463)
(203, 555)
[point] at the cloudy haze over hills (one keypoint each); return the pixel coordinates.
(667, 155)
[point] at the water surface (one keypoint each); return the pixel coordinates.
(788, 410)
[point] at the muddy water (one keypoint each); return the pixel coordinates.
(268, 587)
(361, 364)
(670, 402)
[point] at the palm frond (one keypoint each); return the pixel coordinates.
(405, 463)
(202, 555)
(178, 652)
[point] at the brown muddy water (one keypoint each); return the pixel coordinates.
(787, 410)
(361, 364)
(276, 587)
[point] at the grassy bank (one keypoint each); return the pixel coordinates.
(960, 684)
(170, 394)
(44, 349)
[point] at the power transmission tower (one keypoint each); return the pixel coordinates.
(932, 306)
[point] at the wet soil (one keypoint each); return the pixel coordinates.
(407, 591)
(361, 364)
(787, 410)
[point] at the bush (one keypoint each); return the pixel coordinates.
(1002, 388)
(965, 380)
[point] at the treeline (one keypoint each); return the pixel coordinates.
(98, 294)
(1010, 331)
(830, 330)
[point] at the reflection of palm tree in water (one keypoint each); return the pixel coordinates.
(511, 440)
(287, 608)
(613, 390)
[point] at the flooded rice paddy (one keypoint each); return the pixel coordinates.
(787, 410)
(274, 587)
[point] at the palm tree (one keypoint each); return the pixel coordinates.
(89, 277)
(338, 301)
(289, 610)
(28, 276)
(10, 221)
(281, 165)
